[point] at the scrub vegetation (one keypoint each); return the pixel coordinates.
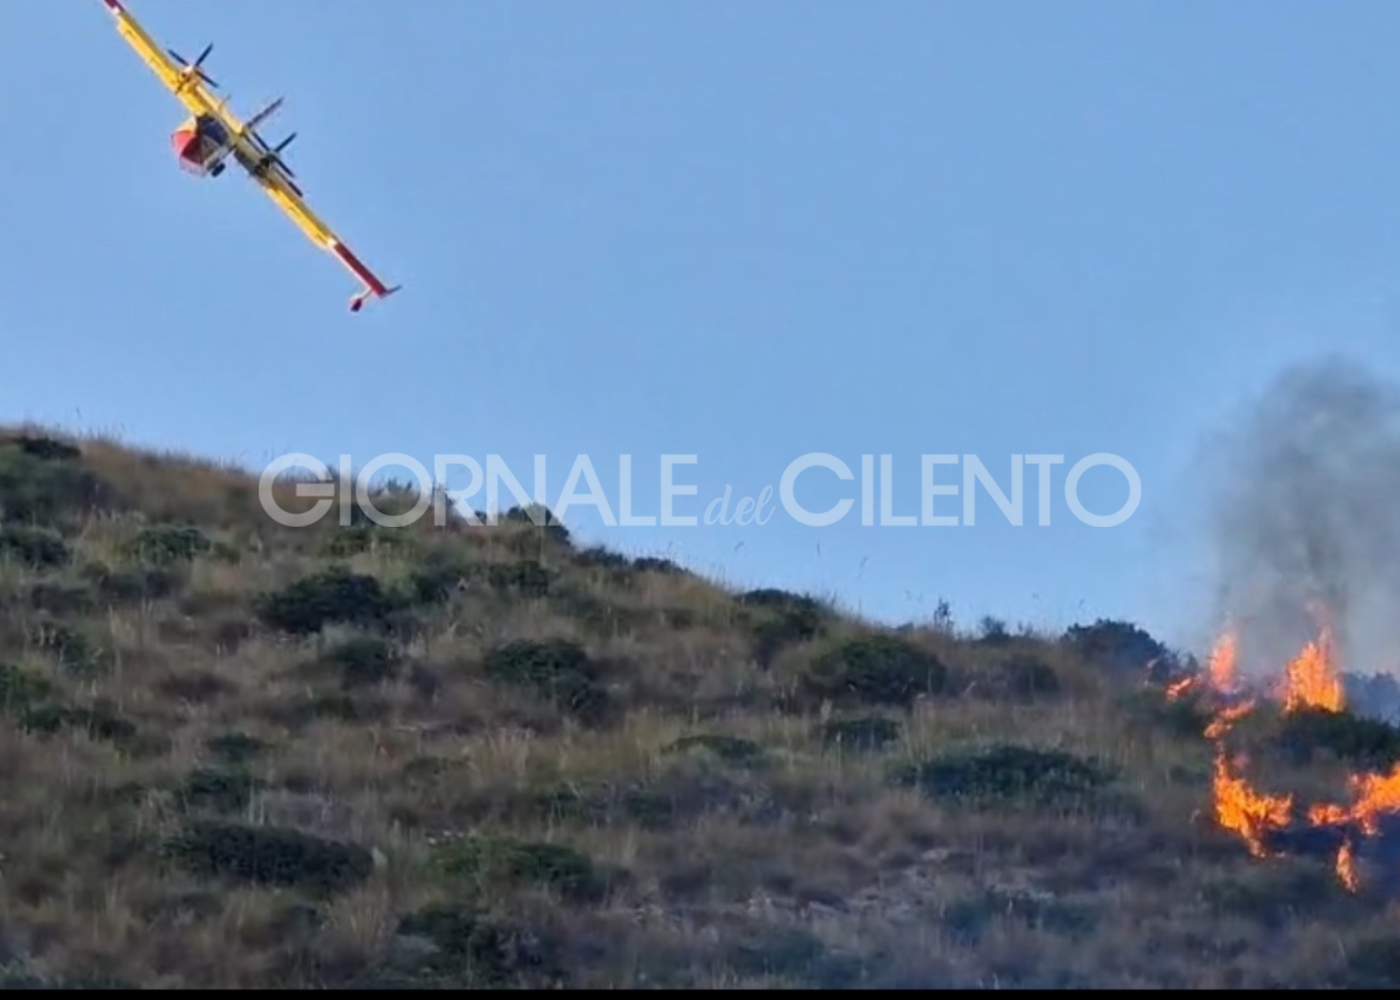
(235, 754)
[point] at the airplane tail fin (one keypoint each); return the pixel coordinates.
(357, 302)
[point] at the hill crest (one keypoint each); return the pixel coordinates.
(239, 754)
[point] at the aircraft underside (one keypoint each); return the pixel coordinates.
(201, 144)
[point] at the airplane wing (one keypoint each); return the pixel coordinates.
(273, 176)
(188, 87)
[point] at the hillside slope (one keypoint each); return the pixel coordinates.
(239, 755)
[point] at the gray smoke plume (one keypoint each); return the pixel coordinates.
(1307, 508)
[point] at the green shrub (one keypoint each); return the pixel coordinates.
(144, 583)
(1183, 716)
(222, 791)
(270, 856)
(41, 447)
(57, 598)
(235, 748)
(993, 632)
(438, 577)
(527, 578)
(1004, 771)
(1365, 743)
(602, 557)
(363, 661)
(730, 749)
(22, 689)
(1024, 678)
(343, 541)
(1120, 646)
(471, 950)
(559, 671)
(36, 547)
(552, 528)
(566, 871)
(332, 595)
(195, 686)
(41, 481)
(165, 544)
(76, 653)
(779, 619)
(99, 721)
(879, 669)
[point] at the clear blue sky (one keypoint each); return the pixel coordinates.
(741, 231)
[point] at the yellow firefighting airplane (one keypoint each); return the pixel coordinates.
(212, 134)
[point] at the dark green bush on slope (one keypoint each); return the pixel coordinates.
(561, 672)
(43, 481)
(878, 669)
(334, 595)
(38, 548)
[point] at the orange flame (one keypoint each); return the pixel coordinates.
(1220, 674)
(1223, 665)
(1311, 680)
(1178, 688)
(1239, 808)
(1327, 814)
(1346, 870)
(1375, 794)
(1226, 718)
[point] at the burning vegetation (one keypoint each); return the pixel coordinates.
(1270, 824)
(1304, 533)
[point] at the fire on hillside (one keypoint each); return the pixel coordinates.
(1275, 824)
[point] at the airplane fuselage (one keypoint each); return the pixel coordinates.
(201, 143)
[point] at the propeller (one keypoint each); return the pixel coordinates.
(270, 153)
(198, 63)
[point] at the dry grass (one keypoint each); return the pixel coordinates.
(649, 796)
